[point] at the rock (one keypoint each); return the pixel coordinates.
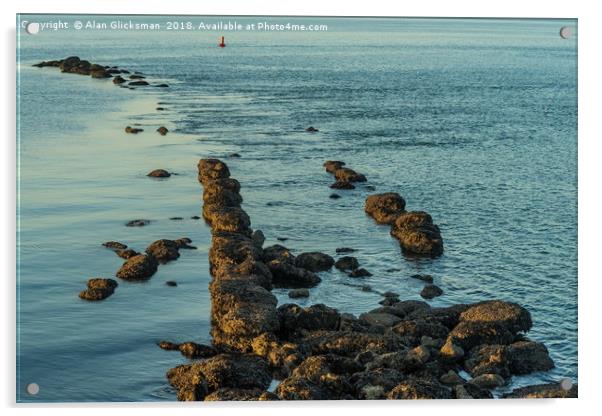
(311, 129)
(163, 250)
(184, 243)
(230, 394)
(138, 83)
(118, 80)
(424, 277)
(470, 391)
(387, 301)
(488, 359)
(417, 234)
(316, 317)
(349, 341)
(342, 185)
(231, 250)
(133, 130)
(115, 245)
(258, 238)
(385, 208)
(286, 275)
(99, 73)
(137, 223)
(382, 319)
(390, 294)
(347, 263)
(488, 381)
(176, 218)
(295, 388)
(160, 108)
(137, 76)
(470, 334)
(282, 238)
(162, 85)
(361, 272)
(227, 219)
(194, 381)
(159, 173)
(128, 253)
(430, 291)
(171, 283)
(219, 197)
(195, 217)
(527, 357)
(543, 391)
(348, 175)
(298, 293)
(193, 350)
(451, 352)
(334, 196)
(212, 169)
(415, 358)
(314, 261)
(417, 388)
(374, 384)
(341, 250)
(168, 346)
(140, 267)
(409, 307)
(510, 315)
(451, 378)
(417, 328)
(332, 166)
(162, 130)
(98, 289)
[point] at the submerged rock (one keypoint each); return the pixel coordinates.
(431, 291)
(385, 208)
(348, 175)
(347, 263)
(193, 350)
(342, 185)
(360, 272)
(159, 173)
(133, 130)
(137, 223)
(98, 289)
(289, 276)
(162, 130)
(311, 129)
(115, 245)
(140, 267)
(138, 83)
(314, 261)
(424, 277)
(298, 293)
(127, 253)
(118, 80)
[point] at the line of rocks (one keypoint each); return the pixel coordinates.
(344, 177)
(415, 231)
(75, 65)
(405, 350)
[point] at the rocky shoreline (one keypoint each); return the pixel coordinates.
(404, 350)
(401, 349)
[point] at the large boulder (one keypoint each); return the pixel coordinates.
(140, 267)
(510, 315)
(417, 234)
(470, 334)
(244, 371)
(385, 208)
(314, 261)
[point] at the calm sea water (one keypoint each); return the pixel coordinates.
(473, 121)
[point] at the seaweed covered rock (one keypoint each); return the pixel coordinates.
(294, 317)
(348, 175)
(211, 169)
(470, 334)
(228, 219)
(385, 208)
(98, 289)
(288, 276)
(115, 245)
(419, 388)
(140, 267)
(231, 250)
(350, 343)
(417, 234)
(241, 371)
(164, 250)
(314, 261)
(332, 166)
(510, 315)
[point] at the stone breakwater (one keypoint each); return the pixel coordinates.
(405, 350)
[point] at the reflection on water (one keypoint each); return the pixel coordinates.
(477, 126)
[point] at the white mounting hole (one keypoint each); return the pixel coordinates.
(33, 389)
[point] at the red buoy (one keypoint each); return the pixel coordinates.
(222, 44)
